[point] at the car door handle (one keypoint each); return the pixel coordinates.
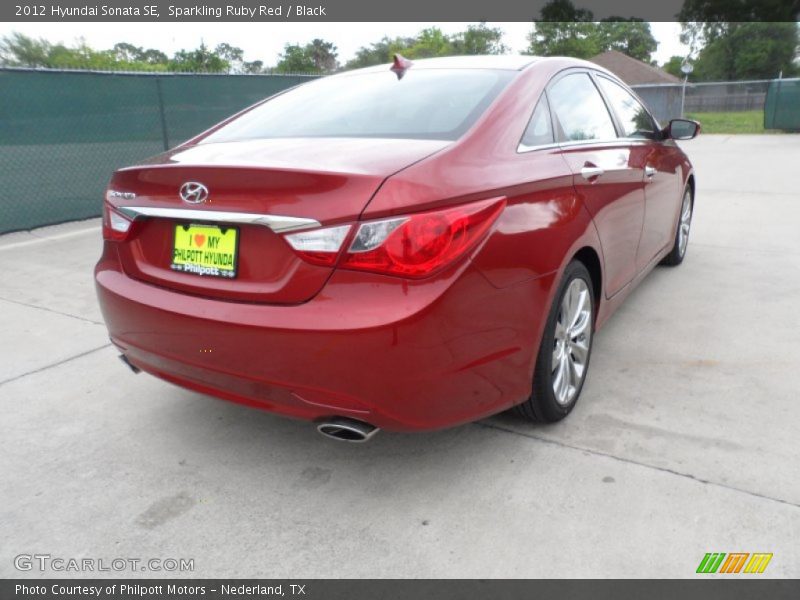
(649, 171)
(588, 172)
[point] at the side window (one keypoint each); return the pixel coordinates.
(635, 120)
(540, 129)
(580, 110)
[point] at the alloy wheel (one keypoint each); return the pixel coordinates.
(685, 224)
(572, 341)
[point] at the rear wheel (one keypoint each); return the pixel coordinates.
(678, 252)
(563, 359)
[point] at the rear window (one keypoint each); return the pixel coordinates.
(425, 104)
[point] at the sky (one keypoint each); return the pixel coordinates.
(265, 41)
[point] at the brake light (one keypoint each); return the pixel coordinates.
(410, 246)
(115, 225)
(420, 244)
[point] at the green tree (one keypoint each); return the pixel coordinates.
(479, 39)
(564, 38)
(748, 51)
(253, 67)
(430, 42)
(741, 39)
(564, 30)
(17, 50)
(126, 52)
(295, 59)
(380, 52)
(323, 55)
(230, 54)
(563, 11)
(199, 60)
(152, 56)
(673, 66)
(318, 56)
(707, 20)
(629, 36)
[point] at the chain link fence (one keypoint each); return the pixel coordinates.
(726, 97)
(667, 101)
(62, 133)
(664, 101)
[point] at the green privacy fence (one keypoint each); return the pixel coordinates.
(782, 105)
(62, 133)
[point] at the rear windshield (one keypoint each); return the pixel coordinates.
(436, 104)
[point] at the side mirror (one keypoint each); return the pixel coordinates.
(682, 129)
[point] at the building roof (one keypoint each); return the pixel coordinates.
(632, 71)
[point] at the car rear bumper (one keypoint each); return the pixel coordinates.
(397, 354)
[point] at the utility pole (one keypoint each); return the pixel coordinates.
(686, 68)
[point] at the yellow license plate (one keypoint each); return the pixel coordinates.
(205, 250)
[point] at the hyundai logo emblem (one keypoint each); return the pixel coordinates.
(194, 192)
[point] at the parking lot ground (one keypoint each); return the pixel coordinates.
(685, 440)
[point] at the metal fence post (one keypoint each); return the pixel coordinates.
(683, 94)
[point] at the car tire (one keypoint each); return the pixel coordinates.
(563, 359)
(681, 241)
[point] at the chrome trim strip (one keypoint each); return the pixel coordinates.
(602, 143)
(566, 145)
(523, 149)
(277, 223)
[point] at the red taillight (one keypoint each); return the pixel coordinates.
(409, 246)
(116, 226)
(419, 244)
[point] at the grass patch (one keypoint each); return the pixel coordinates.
(751, 121)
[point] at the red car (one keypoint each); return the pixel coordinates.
(406, 247)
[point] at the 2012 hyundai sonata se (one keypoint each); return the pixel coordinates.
(408, 247)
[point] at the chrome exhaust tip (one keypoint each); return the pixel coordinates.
(129, 364)
(347, 430)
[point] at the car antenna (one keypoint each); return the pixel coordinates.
(400, 65)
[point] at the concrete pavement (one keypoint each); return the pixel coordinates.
(685, 440)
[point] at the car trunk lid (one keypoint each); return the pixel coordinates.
(261, 189)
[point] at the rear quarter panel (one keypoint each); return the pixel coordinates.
(542, 227)
(544, 219)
